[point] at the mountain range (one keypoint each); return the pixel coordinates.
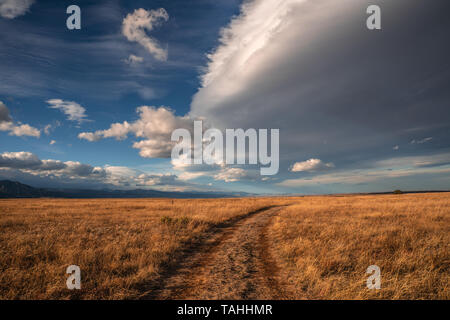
(14, 189)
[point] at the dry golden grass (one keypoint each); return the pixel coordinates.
(322, 245)
(119, 244)
(325, 244)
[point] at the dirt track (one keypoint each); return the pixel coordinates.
(233, 263)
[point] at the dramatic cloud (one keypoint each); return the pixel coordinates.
(311, 165)
(13, 8)
(7, 124)
(154, 126)
(332, 87)
(135, 24)
(71, 109)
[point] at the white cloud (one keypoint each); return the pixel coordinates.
(13, 8)
(52, 142)
(311, 165)
(90, 136)
(19, 129)
(134, 28)
(231, 174)
(243, 52)
(395, 148)
(154, 127)
(133, 60)
(71, 109)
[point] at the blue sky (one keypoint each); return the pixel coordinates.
(358, 110)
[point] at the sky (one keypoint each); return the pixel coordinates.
(357, 110)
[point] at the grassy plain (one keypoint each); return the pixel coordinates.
(325, 244)
(322, 245)
(119, 244)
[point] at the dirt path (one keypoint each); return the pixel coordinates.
(234, 263)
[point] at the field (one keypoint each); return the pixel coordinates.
(315, 247)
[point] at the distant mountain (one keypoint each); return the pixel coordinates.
(13, 189)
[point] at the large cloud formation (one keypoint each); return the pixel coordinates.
(135, 24)
(154, 127)
(335, 89)
(11, 9)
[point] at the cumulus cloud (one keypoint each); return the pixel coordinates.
(135, 25)
(15, 129)
(311, 165)
(10, 9)
(71, 109)
(20, 129)
(154, 127)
